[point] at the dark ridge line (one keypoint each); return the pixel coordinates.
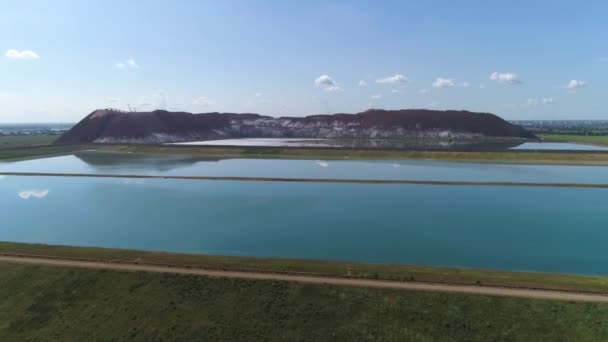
(309, 180)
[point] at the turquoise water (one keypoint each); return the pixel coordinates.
(392, 169)
(512, 228)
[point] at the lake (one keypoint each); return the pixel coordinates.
(423, 144)
(117, 163)
(511, 228)
(559, 146)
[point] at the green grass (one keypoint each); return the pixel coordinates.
(587, 139)
(37, 152)
(9, 141)
(42, 303)
(380, 271)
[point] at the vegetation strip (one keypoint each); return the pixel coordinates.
(308, 180)
(8, 256)
(313, 279)
(264, 152)
(401, 272)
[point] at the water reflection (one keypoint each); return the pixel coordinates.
(135, 162)
(133, 181)
(414, 144)
(121, 163)
(27, 194)
(406, 144)
(559, 146)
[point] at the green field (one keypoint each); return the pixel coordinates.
(37, 152)
(576, 138)
(8, 141)
(374, 271)
(42, 303)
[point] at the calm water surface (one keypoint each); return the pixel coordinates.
(514, 228)
(559, 146)
(398, 143)
(390, 169)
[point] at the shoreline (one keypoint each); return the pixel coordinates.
(309, 180)
(531, 157)
(320, 268)
(306, 278)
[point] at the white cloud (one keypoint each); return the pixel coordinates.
(128, 64)
(533, 102)
(547, 100)
(132, 64)
(574, 84)
(112, 100)
(376, 96)
(327, 83)
(396, 79)
(202, 101)
(465, 84)
(324, 81)
(441, 82)
(505, 77)
(394, 91)
(362, 83)
(24, 54)
(259, 94)
(602, 60)
(423, 91)
(27, 194)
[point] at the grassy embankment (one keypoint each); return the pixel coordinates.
(7, 141)
(32, 146)
(374, 271)
(575, 138)
(63, 304)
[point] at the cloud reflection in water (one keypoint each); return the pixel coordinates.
(27, 194)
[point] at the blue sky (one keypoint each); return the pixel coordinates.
(518, 59)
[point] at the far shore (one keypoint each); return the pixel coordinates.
(552, 157)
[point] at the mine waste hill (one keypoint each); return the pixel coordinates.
(160, 126)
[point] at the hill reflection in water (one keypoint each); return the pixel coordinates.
(139, 162)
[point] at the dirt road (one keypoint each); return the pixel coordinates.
(358, 282)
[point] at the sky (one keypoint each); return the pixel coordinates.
(60, 60)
